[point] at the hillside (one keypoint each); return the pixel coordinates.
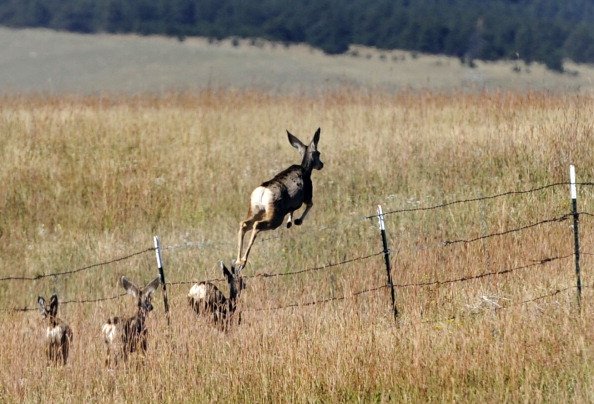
(38, 60)
(544, 31)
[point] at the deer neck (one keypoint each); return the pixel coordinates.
(307, 166)
(233, 296)
(141, 317)
(53, 322)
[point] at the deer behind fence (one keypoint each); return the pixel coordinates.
(209, 302)
(124, 336)
(58, 334)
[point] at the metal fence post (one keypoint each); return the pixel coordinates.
(162, 276)
(576, 235)
(382, 228)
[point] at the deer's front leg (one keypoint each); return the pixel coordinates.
(308, 206)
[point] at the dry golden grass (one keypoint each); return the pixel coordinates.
(85, 180)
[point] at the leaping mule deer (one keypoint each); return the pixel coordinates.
(126, 335)
(208, 301)
(282, 195)
(58, 334)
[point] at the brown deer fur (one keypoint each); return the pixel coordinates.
(123, 336)
(282, 195)
(58, 334)
(209, 302)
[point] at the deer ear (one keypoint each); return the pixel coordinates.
(296, 143)
(129, 286)
(54, 305)
(226, 272)
(41, 304)
(151, 287)
(316, 137)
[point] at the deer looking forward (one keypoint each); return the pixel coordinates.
(282, 195)
(58, 334)
(125, 335)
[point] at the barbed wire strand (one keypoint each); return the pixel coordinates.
(482, 198)
(555, 292)
(312, 303)
(326, 266)
(268, 275)
(484, 274)
(95, 300)
(521, 303)
(40, 276)
(515, 230)
(100, 299)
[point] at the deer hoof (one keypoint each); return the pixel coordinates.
(289, 224)
(298, 222)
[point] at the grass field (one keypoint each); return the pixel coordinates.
(88, 179)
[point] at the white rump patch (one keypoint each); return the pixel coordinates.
(261, 198)
(109, 333)
(54, 334)
(198, 292)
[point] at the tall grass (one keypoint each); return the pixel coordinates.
(85, 180)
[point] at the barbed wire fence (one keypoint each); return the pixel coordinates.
(385, 253)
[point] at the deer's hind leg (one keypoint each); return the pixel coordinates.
(270, 221)
(245, 226)
(66, 340)
(51, 352)
(255, 232)
(256, 228)
(64, 352)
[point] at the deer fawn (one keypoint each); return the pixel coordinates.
(125, 335)
(282, 195)
(58, 334)
(208, 301)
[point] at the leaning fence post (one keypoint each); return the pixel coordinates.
(576, 234)
(162, 276)
(382, 228)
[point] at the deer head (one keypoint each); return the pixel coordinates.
(310, 154)
(143, 296)
(50, 311)
(234, 279)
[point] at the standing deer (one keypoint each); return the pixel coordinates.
(58, 334)
(125, 335)
(282, 195)
(208, 301)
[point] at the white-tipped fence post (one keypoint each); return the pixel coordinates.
(162, 276)
(382, 227)
(576, 234)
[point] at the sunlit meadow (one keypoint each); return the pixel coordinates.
(88, 180)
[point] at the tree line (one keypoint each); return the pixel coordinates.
(545, 31)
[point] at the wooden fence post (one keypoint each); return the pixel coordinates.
(382, 228)
(162, 276)
(576, 235)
